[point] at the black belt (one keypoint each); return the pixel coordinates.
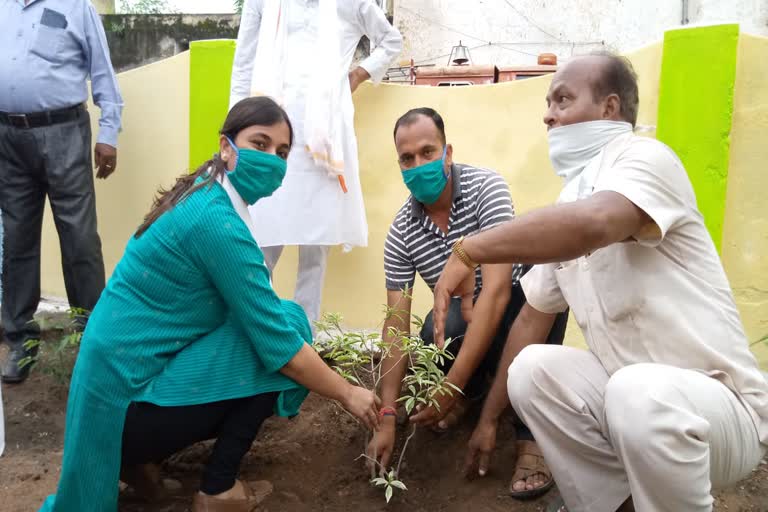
(37, 119)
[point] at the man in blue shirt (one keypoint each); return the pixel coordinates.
(50, 49)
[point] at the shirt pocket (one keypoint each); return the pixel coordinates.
(50, 36)
(613, 283)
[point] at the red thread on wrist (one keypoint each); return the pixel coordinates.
(387, 411)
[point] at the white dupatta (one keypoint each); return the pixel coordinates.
(323, 124)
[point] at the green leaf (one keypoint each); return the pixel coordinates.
(26, 361)
(454, 387)
(388, 493)
(30, 344)
(409, 405)
(400, 485)
(379, 481)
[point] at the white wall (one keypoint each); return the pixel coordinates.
(521, 29)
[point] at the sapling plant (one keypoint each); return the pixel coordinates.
(60, 357)
(359, 356)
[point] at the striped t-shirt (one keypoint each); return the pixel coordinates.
(481, 201)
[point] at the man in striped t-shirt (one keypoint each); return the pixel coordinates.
(448, 201)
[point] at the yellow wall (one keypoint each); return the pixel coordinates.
(152, 150)
(745, 227)
(496, 126)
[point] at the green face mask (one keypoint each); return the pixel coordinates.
(426, 182)
(256, 174)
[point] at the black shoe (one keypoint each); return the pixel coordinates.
(12, 373)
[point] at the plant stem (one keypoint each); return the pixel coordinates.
(374, 461)
(393, 366)
(402, 453)
(375, 458)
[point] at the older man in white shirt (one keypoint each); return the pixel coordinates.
(668, 403)
(286, 49)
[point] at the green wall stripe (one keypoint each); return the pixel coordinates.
(698, 73)
(210, 71)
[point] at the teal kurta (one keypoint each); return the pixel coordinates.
(188, 317)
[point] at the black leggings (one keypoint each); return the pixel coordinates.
(153, 433)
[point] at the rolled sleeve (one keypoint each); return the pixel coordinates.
(106, 91)
(542, 291)
(651, 176)
(387, 40)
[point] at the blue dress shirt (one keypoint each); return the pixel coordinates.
(48, 49)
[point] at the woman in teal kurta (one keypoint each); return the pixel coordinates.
(189, 316)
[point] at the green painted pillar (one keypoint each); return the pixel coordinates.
(210, 71)
(698, 73)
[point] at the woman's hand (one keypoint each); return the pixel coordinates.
(362, 404)
(382, 445)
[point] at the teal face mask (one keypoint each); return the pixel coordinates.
(426, 182)
(256, 174)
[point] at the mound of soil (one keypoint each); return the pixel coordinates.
(311, 460)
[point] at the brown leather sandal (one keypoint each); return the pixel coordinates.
(530, 462)
(253, 496)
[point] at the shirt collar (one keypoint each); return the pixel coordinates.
(417, 208)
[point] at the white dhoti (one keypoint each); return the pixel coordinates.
(664, 435)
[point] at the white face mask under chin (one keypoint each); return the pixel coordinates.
(573, 146)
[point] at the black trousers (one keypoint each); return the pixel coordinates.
(456, 327)
(153, 433)
(54, 162)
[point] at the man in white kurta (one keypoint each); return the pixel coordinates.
(668, 403)
(311, 209)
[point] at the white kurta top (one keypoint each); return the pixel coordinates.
(310, 207)
(664, 299)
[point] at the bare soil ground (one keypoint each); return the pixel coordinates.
(310, 460)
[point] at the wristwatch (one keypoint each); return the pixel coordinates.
(458, 250)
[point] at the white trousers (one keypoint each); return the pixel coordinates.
(664, 435)
(313, 260)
